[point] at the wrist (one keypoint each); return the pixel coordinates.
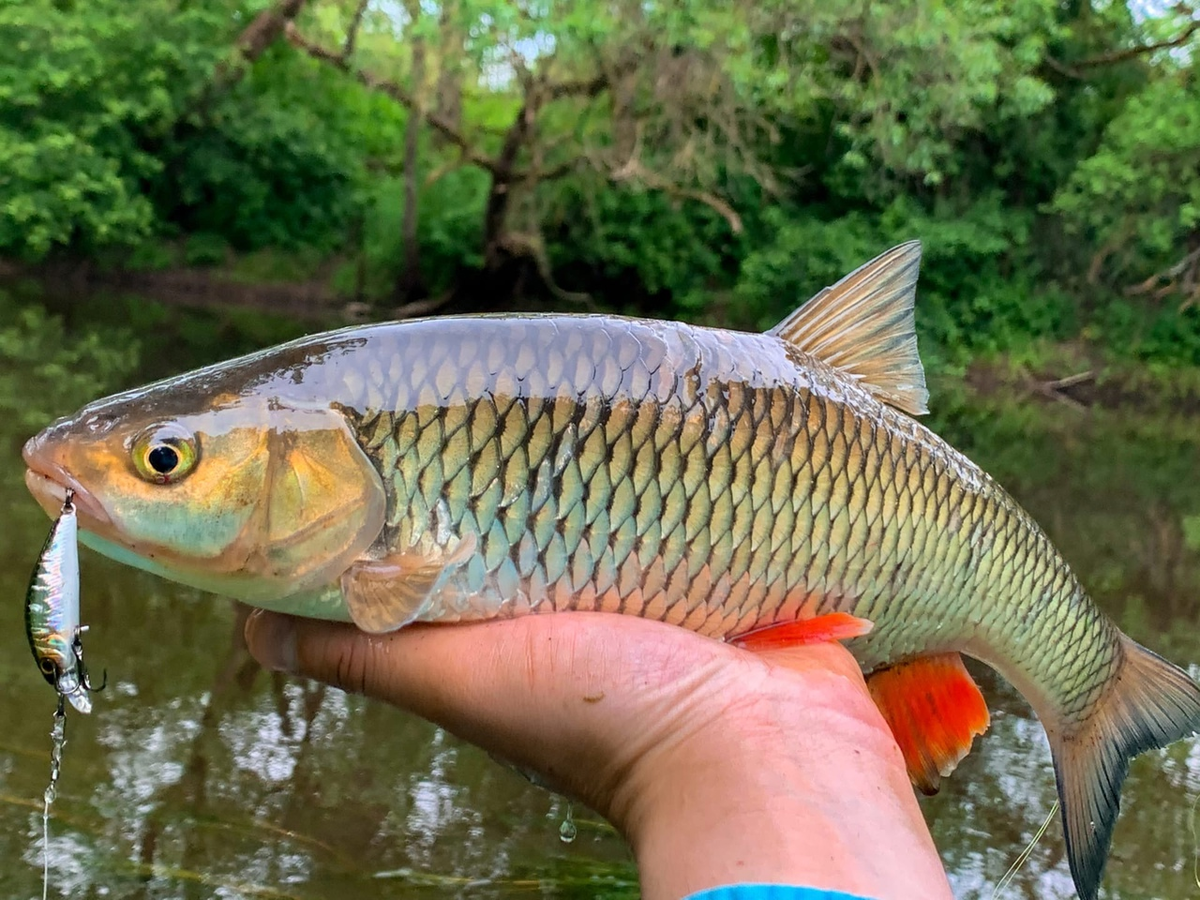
(798, 783)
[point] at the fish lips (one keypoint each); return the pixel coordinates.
(49, 483)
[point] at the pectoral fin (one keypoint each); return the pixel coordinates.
(385, 594)
(934, 709)
(837, 626)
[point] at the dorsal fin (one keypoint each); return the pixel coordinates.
(864, 326)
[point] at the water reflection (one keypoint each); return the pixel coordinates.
(200, 776)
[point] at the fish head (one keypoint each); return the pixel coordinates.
(229, 488)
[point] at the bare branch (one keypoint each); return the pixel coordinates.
(533, 248)
(1063, 69)
(254, 40)
(590, 87)
(266, 27)
(1075, 69)
(442, 171)
(1057, 388)
(1108, 59)
(1183, 276)
(558, 171)
(421, 307)
(635, 171)
(396, 92)
(352, 30)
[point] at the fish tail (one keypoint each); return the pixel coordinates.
(1149, 704)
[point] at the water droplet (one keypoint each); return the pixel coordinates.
(567, 831)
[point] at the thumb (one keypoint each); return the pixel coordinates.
(407, 668)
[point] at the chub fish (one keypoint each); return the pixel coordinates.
(759, 488)
(52, 612)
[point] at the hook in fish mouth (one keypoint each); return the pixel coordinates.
(52, 485)
(51, 492)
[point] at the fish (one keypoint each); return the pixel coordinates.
(52, 612)
(764, 489)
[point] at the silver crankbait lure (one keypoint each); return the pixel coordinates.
(52, 613)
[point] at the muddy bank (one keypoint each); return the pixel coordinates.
(190, 286)
(1082, 378)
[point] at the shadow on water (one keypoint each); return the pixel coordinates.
(199, 775)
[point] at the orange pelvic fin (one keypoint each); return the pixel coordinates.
(934, 709)
(838, 626)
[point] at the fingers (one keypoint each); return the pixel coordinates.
(552, 675)
(604, 706)
(576, 697)
(533, 664)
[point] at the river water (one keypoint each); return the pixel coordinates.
(198, 775)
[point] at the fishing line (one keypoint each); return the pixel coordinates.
(1004, 882)
(1195, 842)
(58, 737)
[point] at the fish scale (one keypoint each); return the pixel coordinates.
(758, 479)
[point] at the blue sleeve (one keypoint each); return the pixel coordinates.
(770, 892)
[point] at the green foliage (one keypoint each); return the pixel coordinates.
(83, 88)
(1138, 196)
(636, 249)
(450, 224)
(205, 249)
(968, 301)
(276, 163)
(448, 236)
(110, 132)
(1045, 161)
(906, 83)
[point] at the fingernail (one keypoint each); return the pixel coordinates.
(272, 640)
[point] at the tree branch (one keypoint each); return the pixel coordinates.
(254, 40)
(1183, 276)
(590, 87)
(396, 92)
(352, 30)
(633, 170)
(1074, 69)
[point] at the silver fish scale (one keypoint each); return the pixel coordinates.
(718, 481)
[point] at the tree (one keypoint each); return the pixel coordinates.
(621, 92)
(1137, 197)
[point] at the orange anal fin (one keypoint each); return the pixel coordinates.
(838, 626)
(934, 709)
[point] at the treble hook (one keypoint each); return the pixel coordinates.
(86, 680)
(84, 677)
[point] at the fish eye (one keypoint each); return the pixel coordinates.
(164, 453)
(163, 459)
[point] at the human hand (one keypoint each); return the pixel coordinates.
(718, 765)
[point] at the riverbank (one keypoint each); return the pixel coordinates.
(273, 295)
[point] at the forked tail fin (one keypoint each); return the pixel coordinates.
(1150, 703)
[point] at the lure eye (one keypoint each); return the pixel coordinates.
(47, 666)
(164, 453)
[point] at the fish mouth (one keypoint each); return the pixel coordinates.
(49, 483)
(51, 494)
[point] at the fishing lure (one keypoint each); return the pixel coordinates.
(52, 613)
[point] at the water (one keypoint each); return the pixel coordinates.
(198, 775)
